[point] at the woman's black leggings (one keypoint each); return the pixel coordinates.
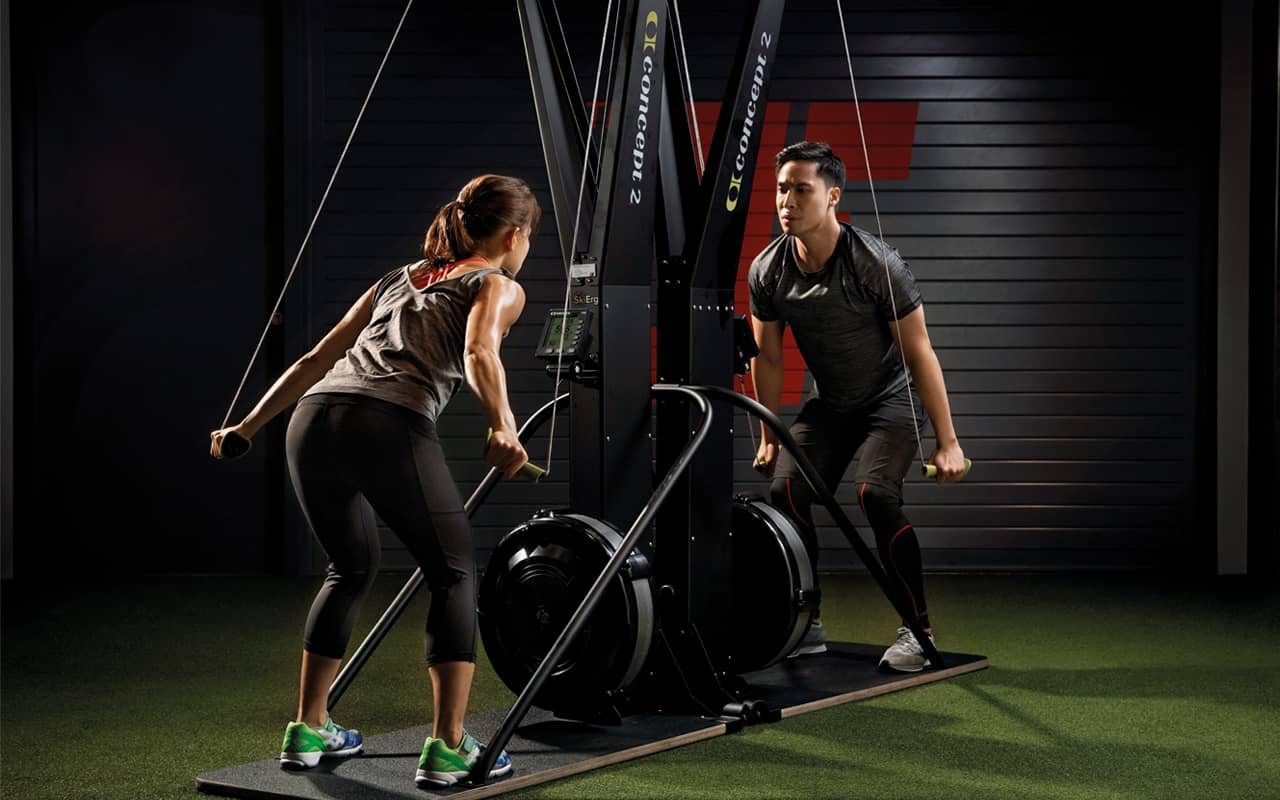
(351, 455)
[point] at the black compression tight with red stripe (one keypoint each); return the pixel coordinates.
(895, 537)
(898, 545)
(795, 499)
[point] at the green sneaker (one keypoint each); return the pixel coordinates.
(304, 745)
(442, 765)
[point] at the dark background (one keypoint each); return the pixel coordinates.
(1060, 211)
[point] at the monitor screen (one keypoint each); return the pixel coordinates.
(567, 327)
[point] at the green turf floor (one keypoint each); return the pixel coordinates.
(1099, 687)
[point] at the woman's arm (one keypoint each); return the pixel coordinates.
(495, 310)
(303, 374)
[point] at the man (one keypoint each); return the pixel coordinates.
(856, 314)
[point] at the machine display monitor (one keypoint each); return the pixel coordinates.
(572, 326)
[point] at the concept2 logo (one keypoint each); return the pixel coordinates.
(646, 88)
(748, 124)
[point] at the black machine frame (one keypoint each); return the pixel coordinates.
(699, 226)
(642, 191)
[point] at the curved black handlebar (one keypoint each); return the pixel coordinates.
(480, 770)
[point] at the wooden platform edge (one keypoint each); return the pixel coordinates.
(220, 789)
(525, 781)
(924, 677)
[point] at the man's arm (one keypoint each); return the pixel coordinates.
(766, 376)
(913, 338)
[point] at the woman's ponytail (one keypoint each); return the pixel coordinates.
(447, 239)
(488, 205)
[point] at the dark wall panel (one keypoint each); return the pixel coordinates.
(1051, 213)
(142, 145)
(1041, 174)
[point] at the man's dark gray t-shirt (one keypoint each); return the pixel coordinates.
(839, 315)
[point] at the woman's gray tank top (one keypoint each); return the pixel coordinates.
(411, 352)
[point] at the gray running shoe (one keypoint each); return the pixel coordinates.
(904, 655)
(814, 641)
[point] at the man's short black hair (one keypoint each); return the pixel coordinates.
(830, 167)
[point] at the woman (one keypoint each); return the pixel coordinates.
(363, 438)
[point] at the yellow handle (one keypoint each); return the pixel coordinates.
(530, 471)
(930, 471)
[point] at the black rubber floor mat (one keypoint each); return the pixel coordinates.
(546, 749)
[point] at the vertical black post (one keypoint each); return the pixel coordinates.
(611, 474)
(276, 537)
(695, 339)
(678, 173)
(1263, 555)
(6, 301)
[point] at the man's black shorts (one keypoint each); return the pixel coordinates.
(883, 437)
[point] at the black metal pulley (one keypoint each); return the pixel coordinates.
(536, 579)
